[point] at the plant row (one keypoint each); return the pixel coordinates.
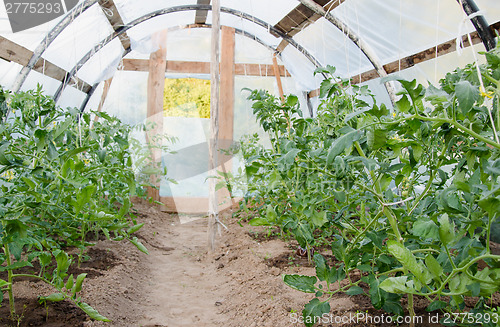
(63, 178)
(407, 195)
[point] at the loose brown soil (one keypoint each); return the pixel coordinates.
(181, 284)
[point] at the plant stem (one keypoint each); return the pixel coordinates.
(429, 182)
(488, 232)
(9, 280)
(411, 309)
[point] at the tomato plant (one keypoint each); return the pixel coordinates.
(406, 195)
(62, 178)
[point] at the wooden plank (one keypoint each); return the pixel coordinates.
(104, 95)
(188, 67)
(113, 16)
(412, 60)
(227, 84)
(193, 204)
(195, 67)
(11, 51)
(226, 111)
(278, 78)
(156, 86)
(201, 15)
(301, 16)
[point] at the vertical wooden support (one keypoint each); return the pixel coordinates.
(105, 90)
(226, 117)
(213, 220)
(278, 77)
(156, 86)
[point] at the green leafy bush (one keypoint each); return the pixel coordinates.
(408, 196)
(62, 179)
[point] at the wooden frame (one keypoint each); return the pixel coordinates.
(156, 86)
(115, 20)
(14, 52)
(196, 67)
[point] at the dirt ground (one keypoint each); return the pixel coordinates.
(180, 283)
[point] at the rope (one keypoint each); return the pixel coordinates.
(459, 41)
(437, 41)
(108, 12)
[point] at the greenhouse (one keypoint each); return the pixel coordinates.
(249, 163)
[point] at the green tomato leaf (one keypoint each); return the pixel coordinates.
(55, 297)
(69, 283)
(134, 228)
(446, 229)
(377, 295)
(322, 269)
(291, 100)
(425, 229)
(406, 258)
(403, 104)
(467, 94)
(303, 234)
(271, 214)
(354, 290)
(258, 221)
(138, 245)
(77, 287)
(341, 144)
(319, 218)
(91, 312)
(397, 285)
(433, 266)
(314, 310)
(301, 283)
(436, 305)
(376, 138)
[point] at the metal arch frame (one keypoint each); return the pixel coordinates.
(365, 48)
(176, 28)
(165, 11)
(480, 24)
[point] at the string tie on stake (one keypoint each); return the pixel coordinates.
(459, 42)
(217, 221)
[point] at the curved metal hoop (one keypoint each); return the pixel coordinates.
(85, 5)
(176, 28)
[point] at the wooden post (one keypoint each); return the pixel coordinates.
(213, 224)
(105, 90)
(156, 86)
(226, 117)
(278, 77)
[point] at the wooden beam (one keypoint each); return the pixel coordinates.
(227, 84)
(14, 52)
(278, 77)
(104, 95)
(193, 204)
(194, 67)
(412, 60)
(114, 18)
(201, 15)
(226, 111)
(300, 17)
(156, 86)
